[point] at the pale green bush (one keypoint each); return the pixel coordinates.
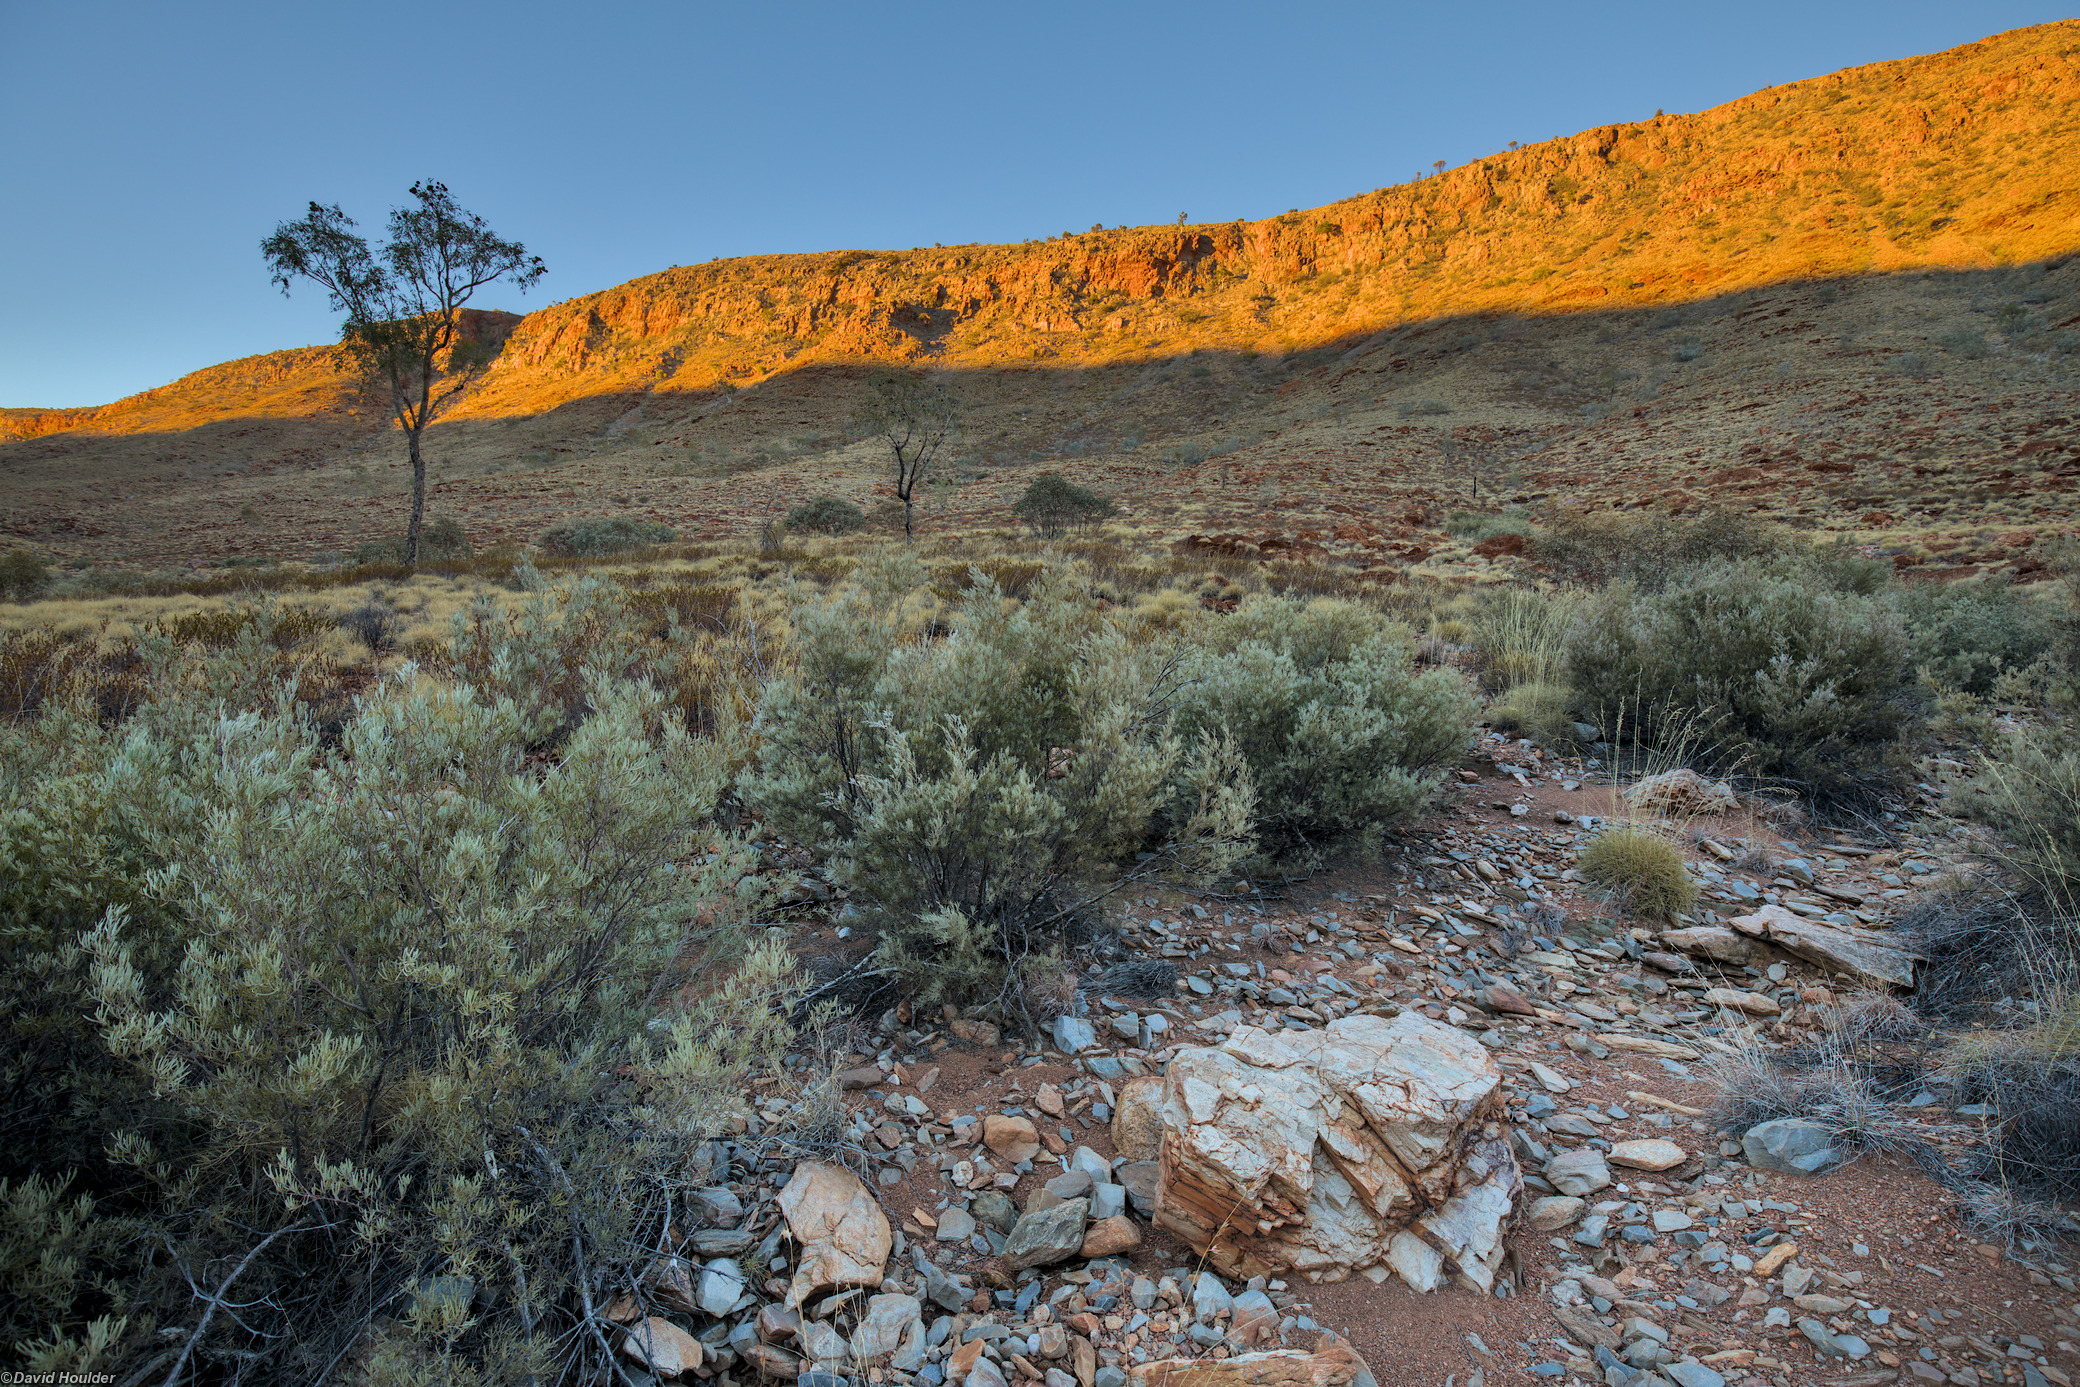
(1967, 635)
(347, 1017)
(592, 539)
(1342, 733)
(1742, 670)
(981, 791)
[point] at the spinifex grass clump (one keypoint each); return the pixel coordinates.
(1642, 869)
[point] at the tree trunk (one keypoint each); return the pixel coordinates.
(411, 529)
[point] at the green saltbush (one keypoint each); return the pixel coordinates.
(980, 791)
(826, 515)
(1342, 734)
(22, 575)
(379, 1028)
(1965, 636)
(1476, 526)
(1744, 670)
(592, 539)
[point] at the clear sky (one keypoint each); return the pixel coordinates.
(146, 148)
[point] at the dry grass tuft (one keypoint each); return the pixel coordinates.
(1642, 869)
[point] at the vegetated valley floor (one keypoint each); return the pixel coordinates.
(1835, 406)
(1872, 1249)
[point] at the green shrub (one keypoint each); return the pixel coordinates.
(980, 792)
(826, 515)
(442, 540)
(1642, 869)
(1474, 526)
(1966, 635)
(221, 627)
(22, 575)
(1053, 505)
(1342, 734)
(1653, 550)
(1742, 670)
(329, 1026)
(592, 539)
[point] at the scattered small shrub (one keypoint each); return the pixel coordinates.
(441, 540)
(1981, 944)
(825, 515)
(1642, 869)
(1411, 408)
(219, 628)
(589, 539)
(22, 575)
(1468, 525)
(1651, 550)
(1964, 343)
(1053, 505)
(373, 624)
(38, 664)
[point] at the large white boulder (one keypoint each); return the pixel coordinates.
(1371, 1145)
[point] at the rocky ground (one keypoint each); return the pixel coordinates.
(1014, 1185)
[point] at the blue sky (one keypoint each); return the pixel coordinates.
(145, 149)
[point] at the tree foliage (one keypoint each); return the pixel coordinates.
(914, 415)
(1053, 505)
(404, 300)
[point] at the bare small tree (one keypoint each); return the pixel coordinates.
(914, 415)
(403, 302)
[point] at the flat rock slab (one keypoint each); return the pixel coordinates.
(844, 1235)
(1648, 1153)
(1333, 1365)
(1792, 1145)
(1867, 955)
(1715, 942)
(1369, 1143)
(1751, 1003)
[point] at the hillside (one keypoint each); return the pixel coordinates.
(1632, 289)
